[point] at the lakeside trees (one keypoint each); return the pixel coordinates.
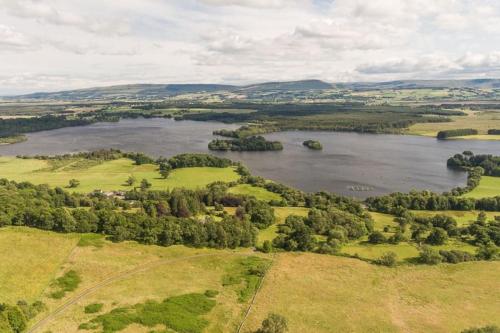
(253, 143)
(442, 135)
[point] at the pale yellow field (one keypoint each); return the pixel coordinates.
(320, 293)
(29, 259)
(480, 120)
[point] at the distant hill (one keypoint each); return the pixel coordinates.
(419, 84)
(288, 86)
(159, 91)
(152, 91)
(131, 91)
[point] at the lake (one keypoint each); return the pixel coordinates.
(377, 164)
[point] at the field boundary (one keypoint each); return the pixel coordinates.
(252, 302)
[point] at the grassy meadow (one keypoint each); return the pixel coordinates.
(109, 175)
(117, 275)
(480, 120)
(319, 293)
(316, 293)
(488, 187)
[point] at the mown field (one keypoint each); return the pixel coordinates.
(317, 293)
(480, 120)
(488, 187)
(108, 176)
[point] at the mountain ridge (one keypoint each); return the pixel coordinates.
(150, 91)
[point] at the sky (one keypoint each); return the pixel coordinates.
(51, 45)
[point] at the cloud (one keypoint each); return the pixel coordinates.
(248, 3)
(11, 40)
(95, 42)
(42, 11)
(435, 66)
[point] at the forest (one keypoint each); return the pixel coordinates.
(252, 143)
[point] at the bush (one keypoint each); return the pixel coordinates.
(429, 256)
(377, 237)
(438, 236)
(274, 323)
(455, 256)
(211, 293)
(388, 259)
(93, 308)
(494, 132)
(267, 247)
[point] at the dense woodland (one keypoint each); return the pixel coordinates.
(330, 117)
(16, 126)
(442, 135)
(252, 143)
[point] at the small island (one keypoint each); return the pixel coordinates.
(313, 144)
(253, 143)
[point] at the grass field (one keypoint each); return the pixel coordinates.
(488, 187)
(480, 120)
(31, 260)
(365, 250)
(317, 293)
(109, 175)
(383, 220)
(321, 294)
(28, 261)
(258, 192)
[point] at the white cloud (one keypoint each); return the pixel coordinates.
(11, 40)
(94, 42)
(45, 12)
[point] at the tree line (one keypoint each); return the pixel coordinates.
(252, 143)
(442, 135)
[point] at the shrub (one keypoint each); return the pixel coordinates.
(438, 236)
(274, 323)
(93, 308)
(429, 256)
(267, 247)
(388, 259)
(377, 237)
(211, 293)
(455, 256)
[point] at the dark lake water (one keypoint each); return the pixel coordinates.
(382, 163)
